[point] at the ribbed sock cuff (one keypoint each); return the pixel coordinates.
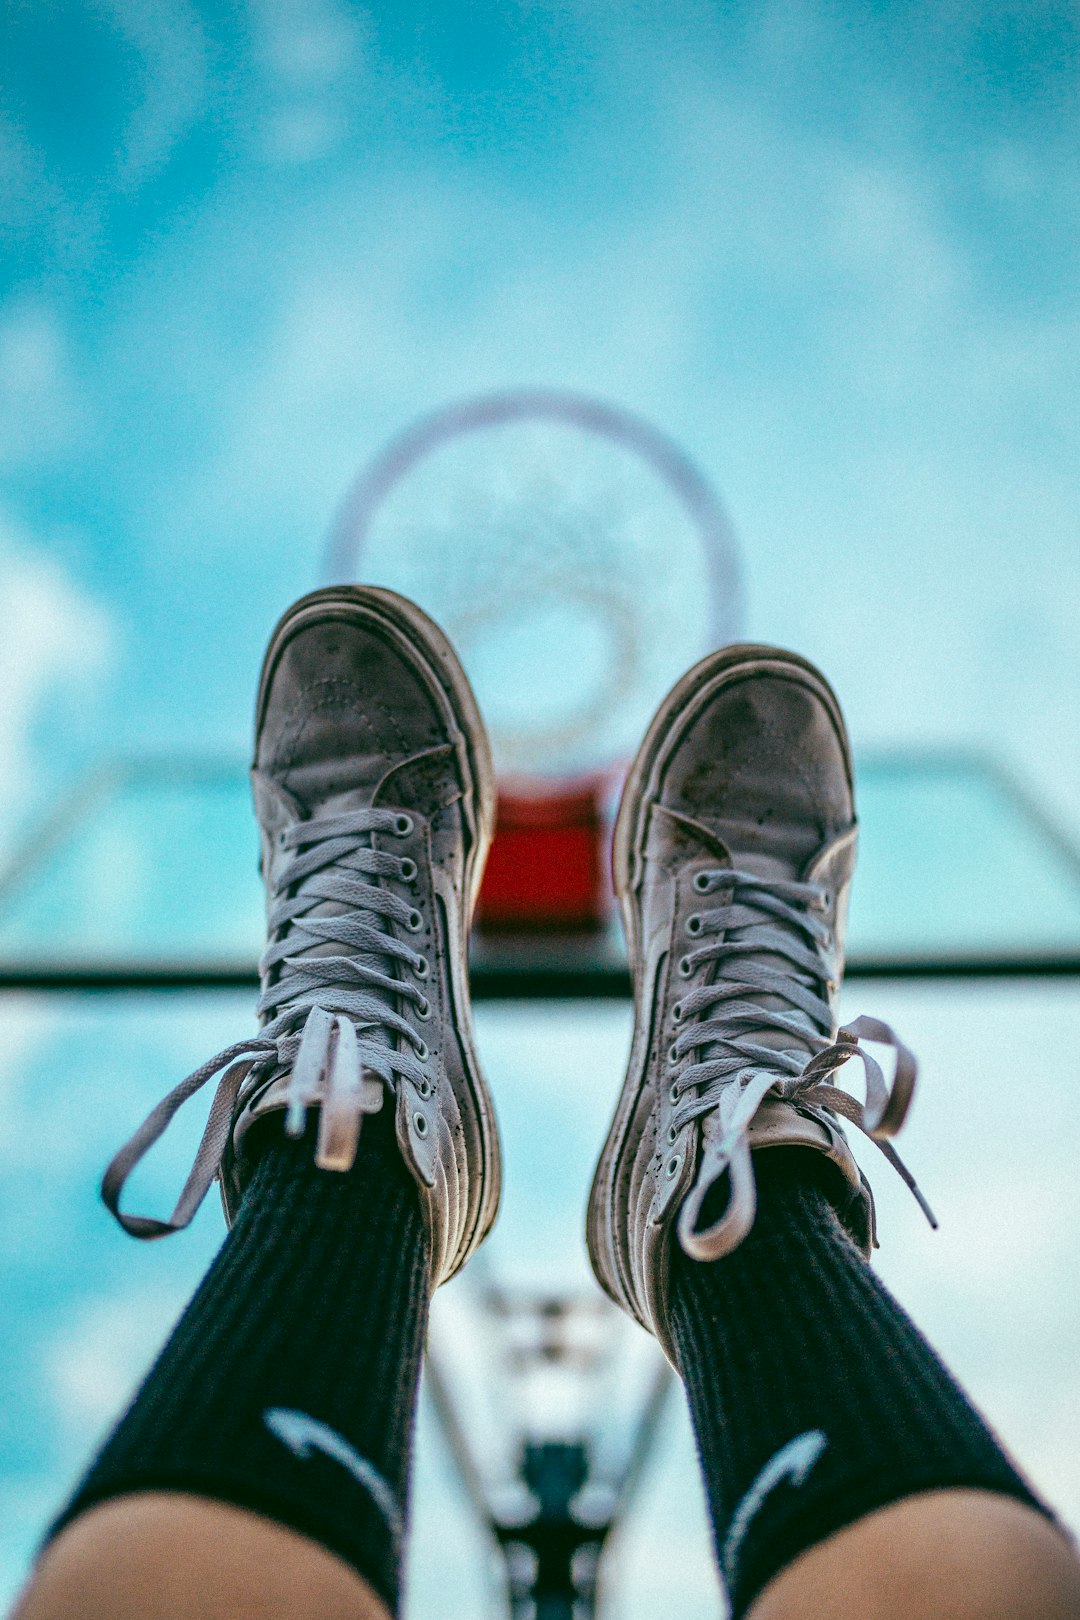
(814, 1398)
(289, 1385)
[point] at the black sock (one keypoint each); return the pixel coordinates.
(289, 1385)
(814, 1399)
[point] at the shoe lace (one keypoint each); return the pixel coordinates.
(328, 1015)
(724, 1071)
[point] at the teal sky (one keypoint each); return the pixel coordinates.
(831, 248)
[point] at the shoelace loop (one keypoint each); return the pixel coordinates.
(329, 1022)
(772, 917)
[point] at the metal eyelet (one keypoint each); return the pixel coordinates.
(421, 1124)
(422, 1051)
(672, 1054)
(672, 1134)
(677, 1012)
(675, 1094)
(424, 1088)
(409, 869)
(686, 967)
(693, 924)
(422, 967)
(414, 922)
(673, 1167)
(701, 882)
(403, 825)
(423, 1008)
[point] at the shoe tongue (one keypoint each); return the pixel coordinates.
(766, 852)
(763, 866)
(771, 849)
(340, 804)
(772, 867)
(324, 787)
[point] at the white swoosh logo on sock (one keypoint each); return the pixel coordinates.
(303, 1435)
(793, 1461)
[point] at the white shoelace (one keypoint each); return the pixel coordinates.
(331, 1024)
(764, 916)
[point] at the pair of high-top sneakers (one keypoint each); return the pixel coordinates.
(734, 850)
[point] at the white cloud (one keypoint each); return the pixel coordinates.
(28, 190)
(316, 57)
(894, 434)
(171, 83)
(107, 1343)
(309, 43)
(54, 638)
(40, 410)
(301, 132)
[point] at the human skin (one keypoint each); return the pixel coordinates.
(942, 1555)
(166, 1556)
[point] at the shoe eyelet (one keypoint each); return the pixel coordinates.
(422, 967)
(672, 1134)
(693, 924)
(424, 1088)
(403, 826)
(686, 967)
(409, 869)
(702, 882)
(675, 1094)
(677, 1013)
(672, 1053)
(673, 1167)
(414, 922)
(423, 1009)
(420, 1123)
(422, 1051)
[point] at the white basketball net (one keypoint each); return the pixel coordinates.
(570, 576)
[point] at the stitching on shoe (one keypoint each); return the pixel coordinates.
(324, 695)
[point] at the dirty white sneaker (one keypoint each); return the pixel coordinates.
(734, 849)
(374, 794)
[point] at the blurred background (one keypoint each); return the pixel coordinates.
(830, 249)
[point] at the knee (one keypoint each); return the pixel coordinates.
(945, 1555)
(165, 1556)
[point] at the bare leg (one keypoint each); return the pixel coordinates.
(119, 1562)
(944, 1555)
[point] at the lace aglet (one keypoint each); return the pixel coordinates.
(915, 1191)
(925, 1207)
(309, 1067)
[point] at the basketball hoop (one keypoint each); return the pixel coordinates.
(579, 561)
(550, 1405)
